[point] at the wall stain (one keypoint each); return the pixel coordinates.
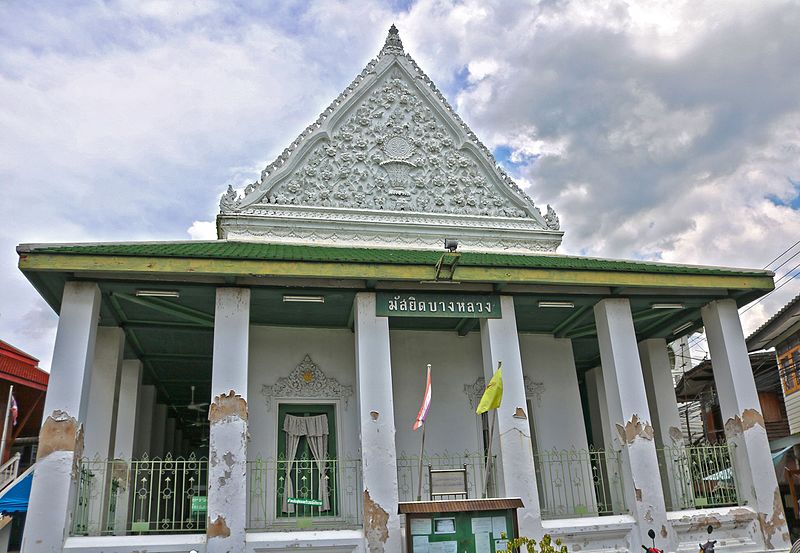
(676, 435)
(227, 406)
(638, 494)
(374, 415)
(770, 524)
(663, 531)
(735, 426)
(634, 428)
(218, 528)
(60, 432)
(376, 521)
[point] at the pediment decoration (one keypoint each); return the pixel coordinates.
(475, 390)
(389, 161)
(306, 380)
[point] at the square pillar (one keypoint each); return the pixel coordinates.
(169, 437)
(158, 430)
(144, 422)
(227, 415)
(626, 401)
(376, 414)
(657, 370)
(61, 438)
(745, 432)
(125, 440)
(101, 421)
(500, 342)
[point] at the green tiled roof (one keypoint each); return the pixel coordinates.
(223, 249)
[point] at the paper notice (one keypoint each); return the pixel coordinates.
(498, 526)
(500, 545)
(420, 526)
(420, 544)
(482, 524)
(482, 543)
(443, 547)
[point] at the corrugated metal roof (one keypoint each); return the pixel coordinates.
(23, 373)
(459, 505)
(224, 249)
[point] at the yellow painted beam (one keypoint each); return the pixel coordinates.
(173, 266)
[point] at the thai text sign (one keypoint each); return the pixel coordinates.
(395, 304)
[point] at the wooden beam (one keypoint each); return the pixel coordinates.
(170, 308)
(564, 326)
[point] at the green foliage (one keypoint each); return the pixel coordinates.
(546, 545)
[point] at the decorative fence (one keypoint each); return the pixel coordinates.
(698, 476)
(579, 482)
(269, 508)
(408, 473)
(145, 496)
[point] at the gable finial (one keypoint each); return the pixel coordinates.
(393, 43)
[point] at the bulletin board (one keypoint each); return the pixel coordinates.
(459, 527)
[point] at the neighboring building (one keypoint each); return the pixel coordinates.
(698, 385)
(782, 332)
(22, 371)
(257, 392)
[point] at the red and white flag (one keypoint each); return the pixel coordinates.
(14, 411)
(426, 403)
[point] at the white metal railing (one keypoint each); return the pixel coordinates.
(408, 473)
(269, 509)
(9, 471)
(579, 482)
(140, 496)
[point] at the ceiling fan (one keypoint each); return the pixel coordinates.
(196, 406)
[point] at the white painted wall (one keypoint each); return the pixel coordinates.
(557, 411)
(274, 353)
(452, 424)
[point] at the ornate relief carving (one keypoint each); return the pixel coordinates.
(475, 390)
(307, 380)
(392, 152)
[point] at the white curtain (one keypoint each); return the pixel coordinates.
(315, 429)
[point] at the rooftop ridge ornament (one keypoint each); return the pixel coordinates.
(393, 43)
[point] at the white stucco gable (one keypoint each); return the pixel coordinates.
(389, 162)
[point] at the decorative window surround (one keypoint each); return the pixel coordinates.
(307, 380)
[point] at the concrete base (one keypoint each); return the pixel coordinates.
(126, 544)
(330, 541)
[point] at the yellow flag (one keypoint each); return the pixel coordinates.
(494, 393)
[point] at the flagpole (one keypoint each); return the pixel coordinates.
(489, 454)
(5, 426)
(421, 450)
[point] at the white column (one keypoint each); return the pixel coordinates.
(101, 417)
(169, 437)
(629, 413)
(144, 423)
(376, 408)
(500, 342)
(744, 424)
(158, 430)
(51, 500)
(179, 442)
(103, 393)
(227, 485)
(663, 405)
(125, 440)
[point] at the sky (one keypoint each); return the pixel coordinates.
(658, 130)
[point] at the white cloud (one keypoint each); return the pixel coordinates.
(656, 129)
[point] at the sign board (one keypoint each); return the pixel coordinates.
(199, 503)
(304, 501)
(460, 306)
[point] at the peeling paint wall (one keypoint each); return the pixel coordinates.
(376, 528)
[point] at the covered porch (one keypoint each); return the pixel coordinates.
(262, 333)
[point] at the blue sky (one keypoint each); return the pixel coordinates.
(658, 130)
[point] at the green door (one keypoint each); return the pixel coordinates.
(304, 472)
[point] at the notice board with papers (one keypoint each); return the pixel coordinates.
(460, 526)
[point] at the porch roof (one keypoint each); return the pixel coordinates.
(173, 336)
